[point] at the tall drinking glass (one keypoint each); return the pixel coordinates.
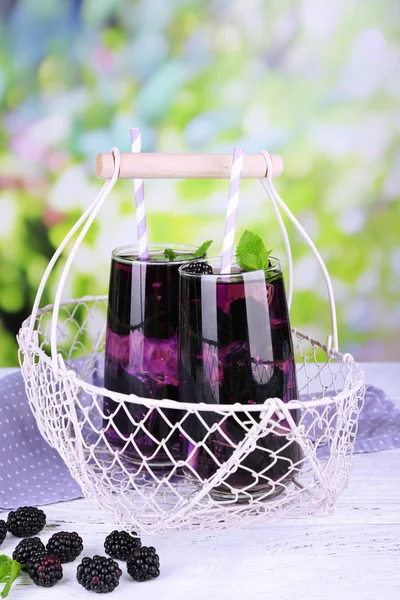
(236, 346)
(141, 354)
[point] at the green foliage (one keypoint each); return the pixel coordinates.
(200, 77)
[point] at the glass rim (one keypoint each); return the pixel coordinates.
(275, 267)
(154, 247)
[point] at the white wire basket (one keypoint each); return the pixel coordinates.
(62, 359)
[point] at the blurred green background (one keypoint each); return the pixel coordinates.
(317, 82)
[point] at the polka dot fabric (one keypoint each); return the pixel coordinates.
(379, 424)
(33, 473)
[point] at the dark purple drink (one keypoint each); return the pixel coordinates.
(142, 351)
(236, 346)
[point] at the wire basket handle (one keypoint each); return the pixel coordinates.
(262, 165)
(87, 217)
(184, 166)
(218, 166)
(275, 199)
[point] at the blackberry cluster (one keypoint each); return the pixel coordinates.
(66, 545)
(44, 570)
(120, 545)
(98, 574)
(199, 268)
(3, 531)
(26, 521)
(143, 564)
(27, 548)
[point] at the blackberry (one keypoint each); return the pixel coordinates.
(98, 574)
(199, 268)
(143, 564)
(120, 545)
(26, 521)
(3, 531)
(27, 548)
(44, 570)
(66, 545)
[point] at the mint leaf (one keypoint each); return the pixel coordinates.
(5, 567)
(170, 254)
(9, 571)
(202, 250)
(251, 253)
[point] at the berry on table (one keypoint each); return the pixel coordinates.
(27, 548)
(120, 545)
(143, 564)
(44, 570)
(66, 545)
(3, 531)
(26, 521)
(99, 574)
(199, 268)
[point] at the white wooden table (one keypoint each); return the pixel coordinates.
(354, 555)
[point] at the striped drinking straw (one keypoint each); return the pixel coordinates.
(230, 220)
(141, 224)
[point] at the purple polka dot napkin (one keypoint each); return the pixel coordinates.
(379, 423)
(31, 472)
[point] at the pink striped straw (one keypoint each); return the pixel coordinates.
(231, 212)
(141, 224)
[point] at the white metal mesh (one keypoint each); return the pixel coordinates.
(287, 459)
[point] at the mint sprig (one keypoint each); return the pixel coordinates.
(251, 253)
(9, 571)
(171, 255)
(202, 250)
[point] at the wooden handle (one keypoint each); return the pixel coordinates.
(184, 166)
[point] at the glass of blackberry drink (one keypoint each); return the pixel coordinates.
(236, 347)
(141, 354)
